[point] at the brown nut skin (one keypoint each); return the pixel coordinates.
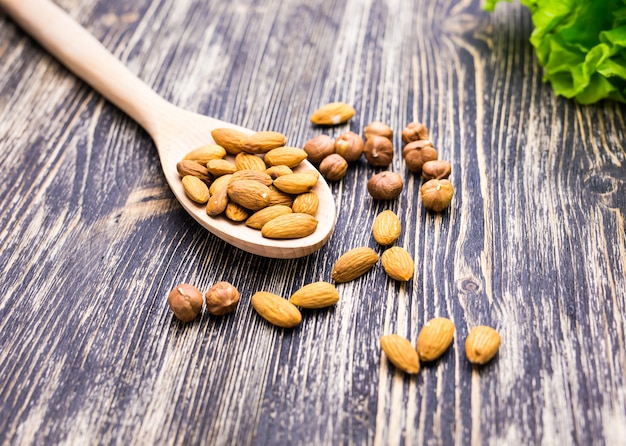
(385, 186)
(222, 298)
(436, 169)
(350, 146)
(414, 131)
(437, 194)
(378, 128)
(378, 151)
(334, 167)
(185, 301)
(417, 153)
(319, 148)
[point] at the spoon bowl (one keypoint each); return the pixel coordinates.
(174, 130)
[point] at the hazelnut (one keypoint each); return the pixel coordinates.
(378, 151)
(349, 145)
(334, 167)
(436, 169)
(378, 128)
(222, 298)
(437, 194)
(385, 186)
(416, 153)
(414, 132)
(185, 301)
(319, 148)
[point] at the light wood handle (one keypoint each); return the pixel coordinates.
(84, 55)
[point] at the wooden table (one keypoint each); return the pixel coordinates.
(92, 239)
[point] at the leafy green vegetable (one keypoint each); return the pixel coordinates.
(582, 46)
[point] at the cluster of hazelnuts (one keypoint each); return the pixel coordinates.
(421, 156)
(334, 155)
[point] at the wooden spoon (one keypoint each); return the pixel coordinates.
(174, 131)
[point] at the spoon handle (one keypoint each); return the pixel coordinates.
(84, 55)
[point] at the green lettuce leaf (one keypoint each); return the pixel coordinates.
(581, 45)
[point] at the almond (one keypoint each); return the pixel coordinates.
(434, 338)
(219, 167)
(286, 156)
(196, 189)
(249, 193)
(236, 212)
(315, 295)
(280, 197)
(386, 228)
(278, 171)
(220, 183)
(398, 263)
(186, 167)
(263, 142)
(206, 153)
(333, 113)
(217, 203)
(275, 309)
(353, 264)
(296, 183)
(259, 218)
(245, 161)
(290, 226)
(256, 175)
(400, 352)
(482, 344)
(230, 139)
(306, 203)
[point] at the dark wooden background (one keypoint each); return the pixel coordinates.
(92, 240)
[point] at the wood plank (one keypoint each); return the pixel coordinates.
(92, 240)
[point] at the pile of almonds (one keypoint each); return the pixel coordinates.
(259, 187)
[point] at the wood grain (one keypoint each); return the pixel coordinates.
(92, 239)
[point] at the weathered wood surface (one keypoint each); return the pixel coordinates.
(91, 238)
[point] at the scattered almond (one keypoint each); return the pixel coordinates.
(315, 295)
(353, 264)
(398, 263)
(482, 344)
(333, 113)
(275, 309)
(435, 338)
(400, 352)
(386, 228)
